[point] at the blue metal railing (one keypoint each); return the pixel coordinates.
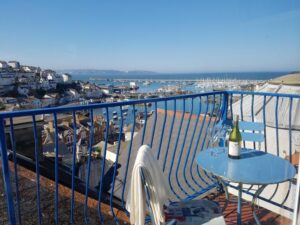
(176, 128)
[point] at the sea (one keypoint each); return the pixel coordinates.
(174, 79)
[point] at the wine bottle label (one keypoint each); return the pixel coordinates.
(234, 148)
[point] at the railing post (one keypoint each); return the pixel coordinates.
(6, 177)
(225, 106)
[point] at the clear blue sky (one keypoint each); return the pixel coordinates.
(157, 35)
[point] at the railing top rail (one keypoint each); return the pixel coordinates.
(264, 94)
(61, 109)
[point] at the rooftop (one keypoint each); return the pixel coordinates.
(290, 79)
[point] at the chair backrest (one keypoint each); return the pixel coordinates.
(252, 131)
(148, 197)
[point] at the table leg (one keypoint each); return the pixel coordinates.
(225, 189)
(239, 206)
(255, 196)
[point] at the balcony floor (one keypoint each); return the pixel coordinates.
(27, 189)
(265, 216)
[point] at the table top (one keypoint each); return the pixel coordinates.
(254, 167)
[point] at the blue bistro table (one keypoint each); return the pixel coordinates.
(254, 168)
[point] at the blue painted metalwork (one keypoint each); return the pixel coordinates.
(154, 124)
(251, 126)
(264, 121)
(145, 123)
(174, 151)
(205, 136)
(182, 146)
(6, 176)
(103, 167)
(170, 135)
(216, 160)
(195, 149)
(37, 171)
(115, 168)
(218, 105)
(88, 172)
(162, 130)
(127, 162)
(56, 167)
(73, 165)
(252, 117)
(13, 142)
(189, 148)
(290, 129)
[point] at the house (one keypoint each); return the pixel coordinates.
(9, 100)
(73, 95)
(92, 91)
(48, 101)
(30, 69)
(3, 65)
(15, 65)
(27, 81)
(67, 78)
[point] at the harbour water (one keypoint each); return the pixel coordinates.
(195, 83)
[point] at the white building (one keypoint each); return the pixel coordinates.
(7, 82)
(28, 82)
(47, 101)
(3, 65)
(67, 78)
(14, 65)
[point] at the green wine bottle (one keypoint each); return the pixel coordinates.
(235, 138)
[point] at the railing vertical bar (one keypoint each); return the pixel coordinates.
(162, 130)
(264, 122)
(170, 136)
(56, 168)
(6, 176)
(196, 145)
(182, 146)
(128, 159)
(224, 106)
(276, 121)
(88, 169)
(174, 151)
(145, 123)
(37, 170)
(190, 145)
(231, 110)
(103, 167)
(241, 112)
(115, 170)
(290, 129)
(73, 165)
(252, 116)
(154, 124)
(13, 142)
(277, 140)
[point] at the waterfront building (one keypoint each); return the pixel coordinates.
(3, 65)
(15, 65)
(67, 78)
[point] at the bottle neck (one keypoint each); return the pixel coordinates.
(236, 125)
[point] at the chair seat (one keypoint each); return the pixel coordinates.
(195, 212)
